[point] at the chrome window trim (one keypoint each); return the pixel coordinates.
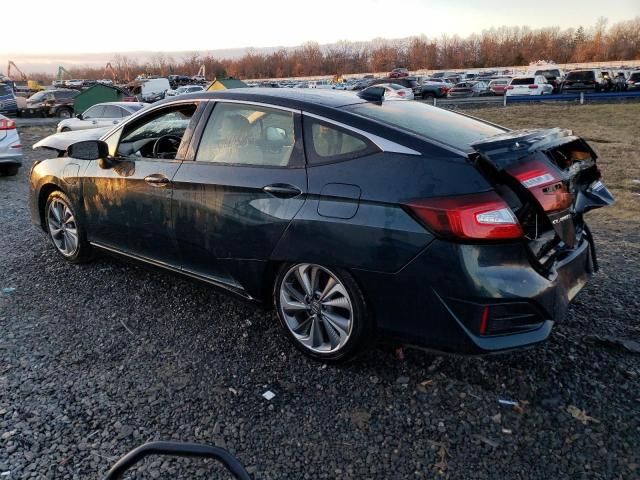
(382, 143)
(253, 104)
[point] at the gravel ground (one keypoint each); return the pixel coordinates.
(99, 358)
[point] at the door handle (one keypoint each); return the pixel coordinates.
(157, 180)
(282, 190)
(94, 122)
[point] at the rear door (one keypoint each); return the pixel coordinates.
(233, 202)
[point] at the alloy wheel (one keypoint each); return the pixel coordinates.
(316, 308)
(62, 227)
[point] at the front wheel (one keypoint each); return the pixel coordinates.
(322, 311)
(64, 229)
(9, 170)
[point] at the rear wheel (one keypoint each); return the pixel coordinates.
(64, 229)
(63, 113)
(9, 170)
(322, 311)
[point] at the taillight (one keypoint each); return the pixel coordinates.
(6, 124)
(533, 86)
(483, 216)
(401, 93)
(545, 185)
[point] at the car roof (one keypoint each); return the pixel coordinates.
(299, 99)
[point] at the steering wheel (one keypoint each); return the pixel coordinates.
(172, 142)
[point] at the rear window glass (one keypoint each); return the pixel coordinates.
(428, 121)
(635, 76)
(522, 81)
(584, 75)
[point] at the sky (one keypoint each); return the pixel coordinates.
(120, 26)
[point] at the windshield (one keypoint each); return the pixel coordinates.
(427, 121)
(38, 97)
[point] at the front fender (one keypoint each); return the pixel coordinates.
(62, 174)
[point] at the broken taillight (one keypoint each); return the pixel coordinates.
(544, 183)
(483, 216)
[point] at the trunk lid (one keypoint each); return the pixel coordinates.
(549, 178)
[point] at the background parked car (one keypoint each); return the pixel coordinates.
(431, 89)
(52, 103)
(394, 91)
(633, 84)
(8, 103)
(587, 80)
(553, 76)
(469, 89)
(184, 90)
(498, 86)
(406, 82)
(536, 85)
(10, 147)
(399, 73)
(101, 115)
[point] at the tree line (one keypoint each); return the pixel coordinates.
(502, 46)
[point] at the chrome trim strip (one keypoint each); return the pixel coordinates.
(253, 103)
(238, 290)
(382, 143)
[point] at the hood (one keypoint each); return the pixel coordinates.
(61, 141)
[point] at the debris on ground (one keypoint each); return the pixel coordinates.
(581, 415)
(486, 440)
(8, 290)
(616, 342)
(269, 395)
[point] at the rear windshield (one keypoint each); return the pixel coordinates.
(427, 121)
(499, 82)
(584, 75)
(548, 73)
(635, 76)
(522, 81)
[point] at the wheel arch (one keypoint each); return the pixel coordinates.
(46, 190)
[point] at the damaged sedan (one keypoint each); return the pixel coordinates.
(355, 218)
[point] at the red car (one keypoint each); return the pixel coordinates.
(399, 72)
(498, 86)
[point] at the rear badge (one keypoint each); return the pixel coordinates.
(556, 221)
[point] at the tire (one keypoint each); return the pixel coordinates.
(428, 96)
(9, 170)
(332, 331)
(65, 230)
(63, 113)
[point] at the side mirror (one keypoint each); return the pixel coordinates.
(79, 116)
(88, 150)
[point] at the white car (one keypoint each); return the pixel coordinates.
(101, 115)
(393, 91)
(10, 147)
(184, 90)
(529, 85)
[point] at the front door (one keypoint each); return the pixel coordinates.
(232, 203)
(128, 200)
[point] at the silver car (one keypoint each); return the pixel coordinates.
(10, 147)
(101, 115)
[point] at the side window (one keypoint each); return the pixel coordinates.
(158, 134)
(329, 143)
(93, 112)
(249, 135)
(112, 111)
